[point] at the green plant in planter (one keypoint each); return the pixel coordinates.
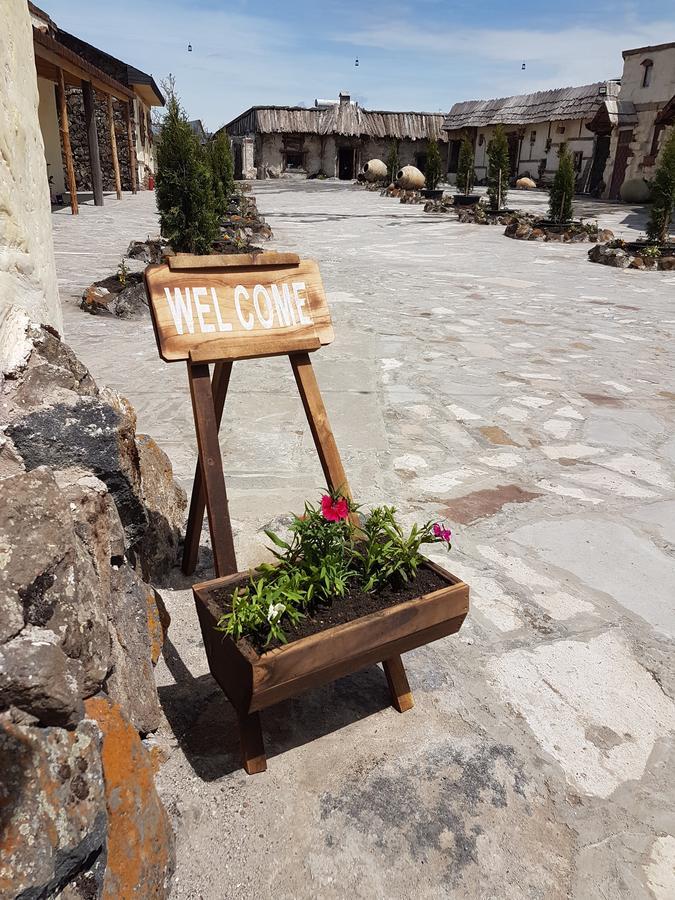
(498, 168)
(432, 172)
(392, 162)
(325, 558)
(560, 208)
(184, 189)
(651, 252)
(465, 166)
(221, 164)
(663, 194)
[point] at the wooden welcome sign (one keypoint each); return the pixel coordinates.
(218, 309)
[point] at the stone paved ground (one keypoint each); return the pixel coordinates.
(527, 396)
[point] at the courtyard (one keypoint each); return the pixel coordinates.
(528, 398)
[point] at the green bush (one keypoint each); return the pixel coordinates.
(432, 172)
(465, 167)
(560, 208)
(184, 189)
(219, 155)
(663, 194)
(392, 162)
(498, 169)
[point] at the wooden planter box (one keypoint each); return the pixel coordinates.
(254, 681)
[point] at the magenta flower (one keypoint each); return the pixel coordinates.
(442, 533)
(334, 510)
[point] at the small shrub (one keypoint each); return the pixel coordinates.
(325, 558)
(560, 208)
(465, 166)
(432, 172)
(498, 169)
(663, 194)
(221, 164)
(184, 190)
(392, 162)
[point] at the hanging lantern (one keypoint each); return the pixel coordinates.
(356, 62)
(189, 48)
(523, 66)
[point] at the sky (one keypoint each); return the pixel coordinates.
(423, 55)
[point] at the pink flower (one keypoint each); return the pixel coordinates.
(444, 534)
(334, 510)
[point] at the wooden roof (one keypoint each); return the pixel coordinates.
(527, 109)
(345, 119)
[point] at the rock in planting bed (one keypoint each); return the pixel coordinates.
(634, 255)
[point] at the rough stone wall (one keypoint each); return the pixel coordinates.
(80, 146)
(27, 273)
(89, 514)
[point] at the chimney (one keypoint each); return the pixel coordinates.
(344, 98)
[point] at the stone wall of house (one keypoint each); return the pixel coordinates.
(27, 272)
(90, 518)
(80, 145)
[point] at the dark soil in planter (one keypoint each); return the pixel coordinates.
(466, 199)
(353, 605)
(550, 225)
(432, 194)
(640, 246)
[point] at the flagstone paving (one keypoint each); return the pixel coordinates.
(533, 394)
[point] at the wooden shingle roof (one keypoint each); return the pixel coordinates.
(527, 109)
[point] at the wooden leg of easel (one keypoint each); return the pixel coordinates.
(317, 417)
(193, 530)
(212, 477)
(252, 744)
(401, 695)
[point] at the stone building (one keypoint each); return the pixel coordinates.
(96, 86)
(633, 124)
(535, 124)
(330, 138)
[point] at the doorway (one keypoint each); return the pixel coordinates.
(513, 139)
(238, 162)
(620, 162)
(345, 163)
(595, 178)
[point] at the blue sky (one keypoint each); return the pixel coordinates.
(421, 55)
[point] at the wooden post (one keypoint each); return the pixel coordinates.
(64, 128)
(128, 117)
(221, 380)
(113, 147)
(225, 561)
(92, 140)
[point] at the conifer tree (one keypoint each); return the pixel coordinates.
(560, 208)
(219, 154)
(432, 172)
(498, 168)
(663, 194)
(184, 191)
(392, 162)
(465, 168)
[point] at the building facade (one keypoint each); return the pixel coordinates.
(535, 125)
(634, 123)
(334, 139)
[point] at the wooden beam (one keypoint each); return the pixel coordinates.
(113, 147)
(77, 68)
(128, 117)
(92, 140)
(64, 128)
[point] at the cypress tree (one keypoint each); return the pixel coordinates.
(560, 208)
(219, 154)
(663, 194)
(433, 167)
(498, 168)
(392, 162)
(465, 169)
(184, 191)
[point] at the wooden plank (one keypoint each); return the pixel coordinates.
(401, 695)
(65, 139)
(221, 380)
(92, 141)
(182, 261)
(229, 313)
(222, 544)
(133, 164)
(252, 745)
(61, 57)
(113, 148)
(317, 417)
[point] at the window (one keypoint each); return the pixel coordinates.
(294, 159)
(533, 137)
(648, 66)
(578, 159)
